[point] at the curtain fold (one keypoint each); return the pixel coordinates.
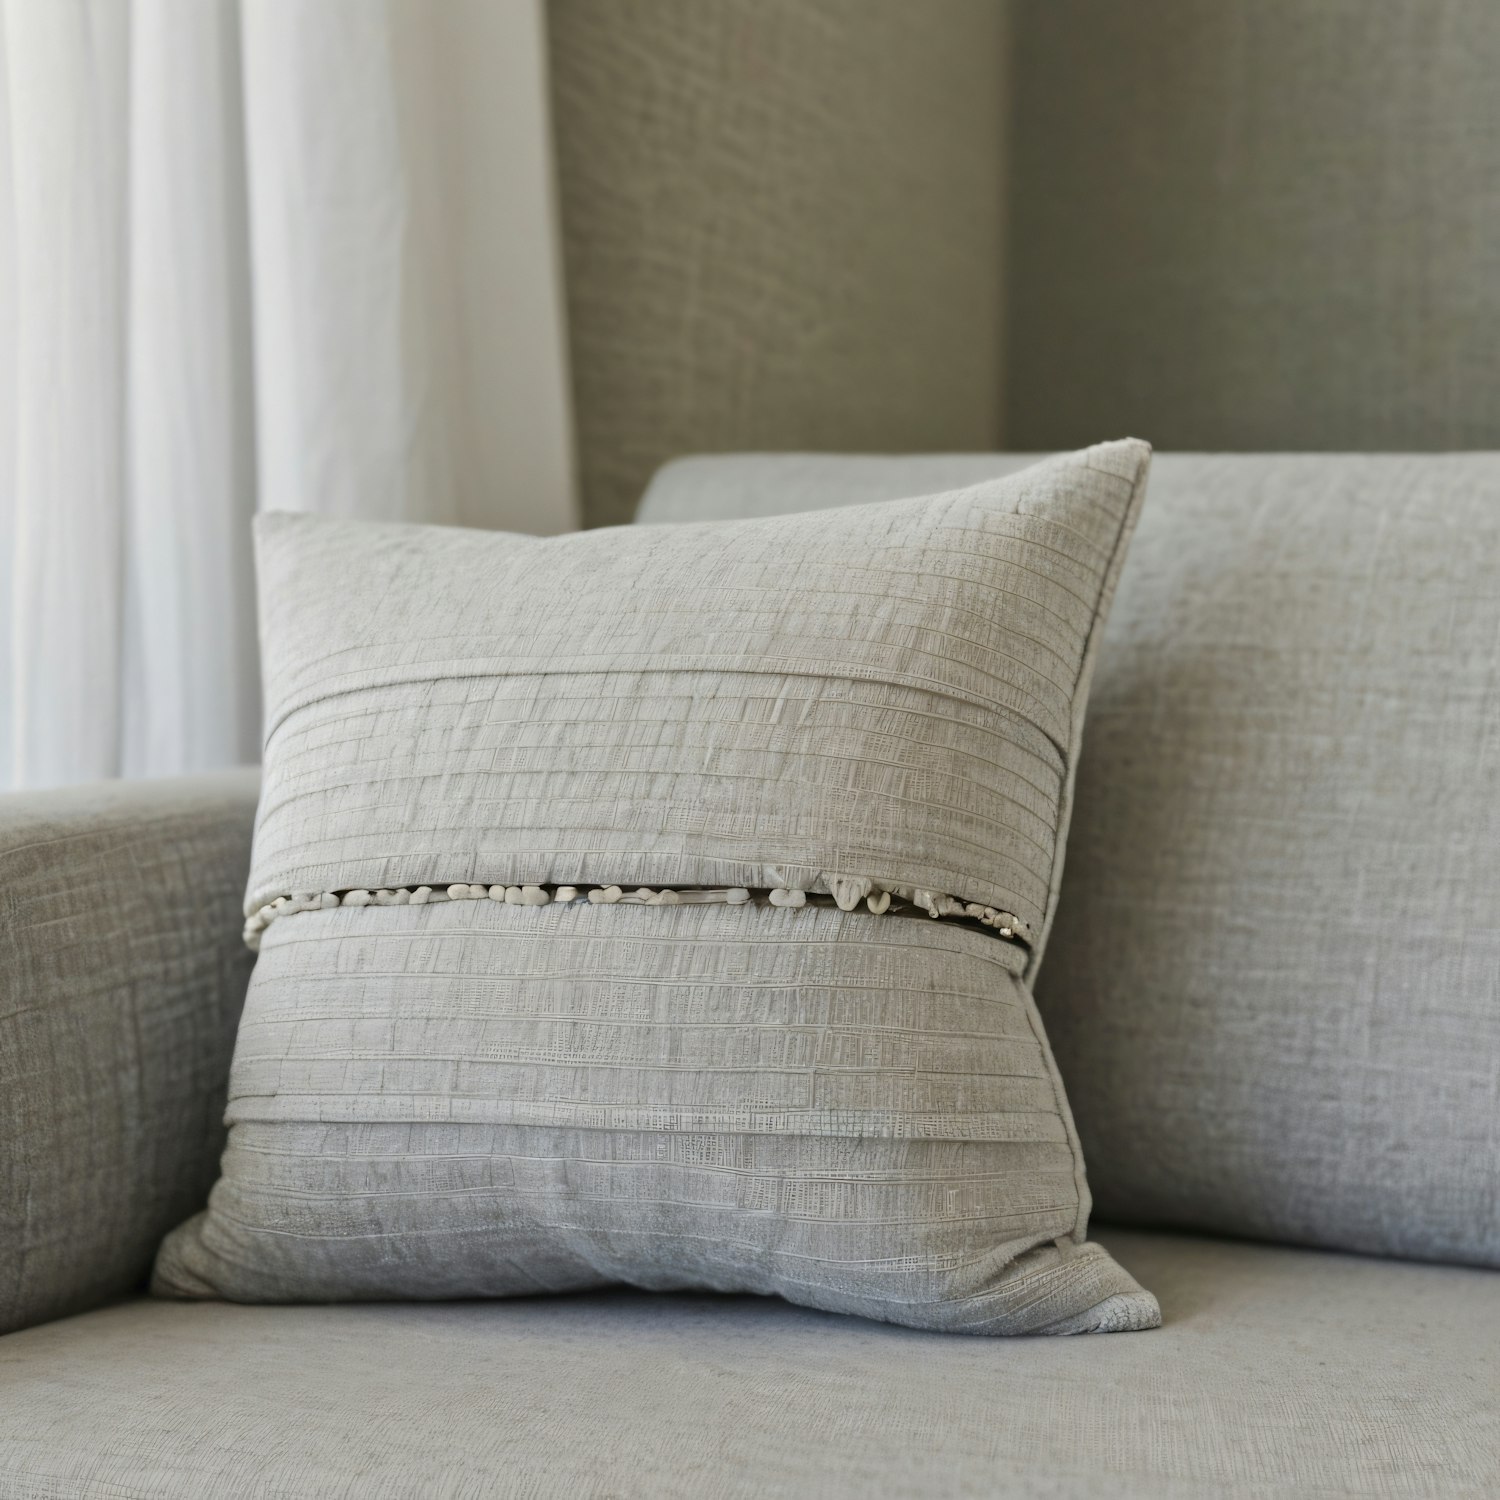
(188, 691)
(64, 227)
(253, 254)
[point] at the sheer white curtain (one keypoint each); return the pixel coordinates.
(253, 254)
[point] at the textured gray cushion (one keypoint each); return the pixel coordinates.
(853, 1107)
(1278, 1375)
(119, 993)
(1274, 986)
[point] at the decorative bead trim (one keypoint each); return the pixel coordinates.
(845, 892)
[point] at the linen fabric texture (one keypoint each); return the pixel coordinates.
(1274, 986)
(854, 1109)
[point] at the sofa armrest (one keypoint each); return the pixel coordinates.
(122, 974)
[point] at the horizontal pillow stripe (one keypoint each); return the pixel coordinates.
(570, 1015)
(886, 693)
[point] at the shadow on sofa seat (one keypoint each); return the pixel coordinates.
(1278, 1372)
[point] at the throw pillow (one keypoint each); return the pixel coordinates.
(658, 905)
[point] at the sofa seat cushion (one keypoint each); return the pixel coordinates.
(1278, 1373)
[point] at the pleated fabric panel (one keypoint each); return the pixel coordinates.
(891, 692)
(857, 1112)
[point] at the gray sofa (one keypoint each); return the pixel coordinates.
(1231, 1090)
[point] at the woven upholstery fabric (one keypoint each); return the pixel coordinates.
(1320, 265)
(1277, 1375)
(782, 225)
(120, 986)
(1274, 986)
(856, 1110)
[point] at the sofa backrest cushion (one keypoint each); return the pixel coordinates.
(1274, 982)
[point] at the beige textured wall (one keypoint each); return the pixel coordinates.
(782, 227)
(1255, 223)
